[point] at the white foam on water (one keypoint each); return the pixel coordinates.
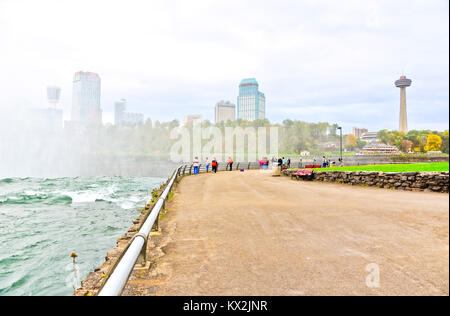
(127, 205)
(84, 197)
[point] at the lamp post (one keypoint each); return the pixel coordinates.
(340, 147)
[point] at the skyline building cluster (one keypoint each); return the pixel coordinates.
(86, 104)
(86, 107)
(251, 104)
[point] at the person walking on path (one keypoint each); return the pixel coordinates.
(289, 163)
(265, 163)
(230, 163)
(274, 162)
(214, 165)
(195, 164)
(324, 162)
(207, 164)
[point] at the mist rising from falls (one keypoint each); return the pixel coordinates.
(31, 145)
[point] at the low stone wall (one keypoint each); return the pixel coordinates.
(298, 162)
(408, 181)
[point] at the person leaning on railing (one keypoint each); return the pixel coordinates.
(207, 165)
(195, 165)
(230, 163)
(214, 165)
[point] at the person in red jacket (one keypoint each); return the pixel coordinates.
(230, 163)
(214, 165)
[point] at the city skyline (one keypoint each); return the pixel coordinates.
(136, 117)
(317, 62)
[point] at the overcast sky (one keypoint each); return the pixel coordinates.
(315, 60)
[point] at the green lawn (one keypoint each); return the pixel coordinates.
(432, 166)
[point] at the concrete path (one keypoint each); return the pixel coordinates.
(248, 233)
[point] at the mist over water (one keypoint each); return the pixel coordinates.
(64, 190)
(34, 144)
(43, 220)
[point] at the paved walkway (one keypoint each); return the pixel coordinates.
(248, 233)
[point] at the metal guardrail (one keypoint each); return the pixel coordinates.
(116, 282)
(119, 277)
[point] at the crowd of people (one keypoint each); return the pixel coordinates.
(213, 163)
(326, 163)
(264, 163)
(282, 162)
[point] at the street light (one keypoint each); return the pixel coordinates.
(340, 147)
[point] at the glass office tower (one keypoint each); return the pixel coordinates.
(86, 98)
(251, 103)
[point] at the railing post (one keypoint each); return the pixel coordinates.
(155, 226)
(142, 259)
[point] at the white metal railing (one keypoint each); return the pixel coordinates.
(119, 277)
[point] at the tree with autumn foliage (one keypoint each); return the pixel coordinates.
(350, 142)
(434, 143)
(407, 145)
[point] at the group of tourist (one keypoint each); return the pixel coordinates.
(326, 162)
(282, 162)
(213, 163)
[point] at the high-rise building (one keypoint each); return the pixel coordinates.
(369, 137)
(48, 118)
(53, 95)
(121, 117)
(251, 103)
(358, 132)
(403, 83)
(194, 118)
(119, 111)
(86, 98)
(225, 111)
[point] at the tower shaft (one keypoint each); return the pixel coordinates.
(403, 126)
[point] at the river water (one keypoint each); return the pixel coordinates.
(43, 220)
